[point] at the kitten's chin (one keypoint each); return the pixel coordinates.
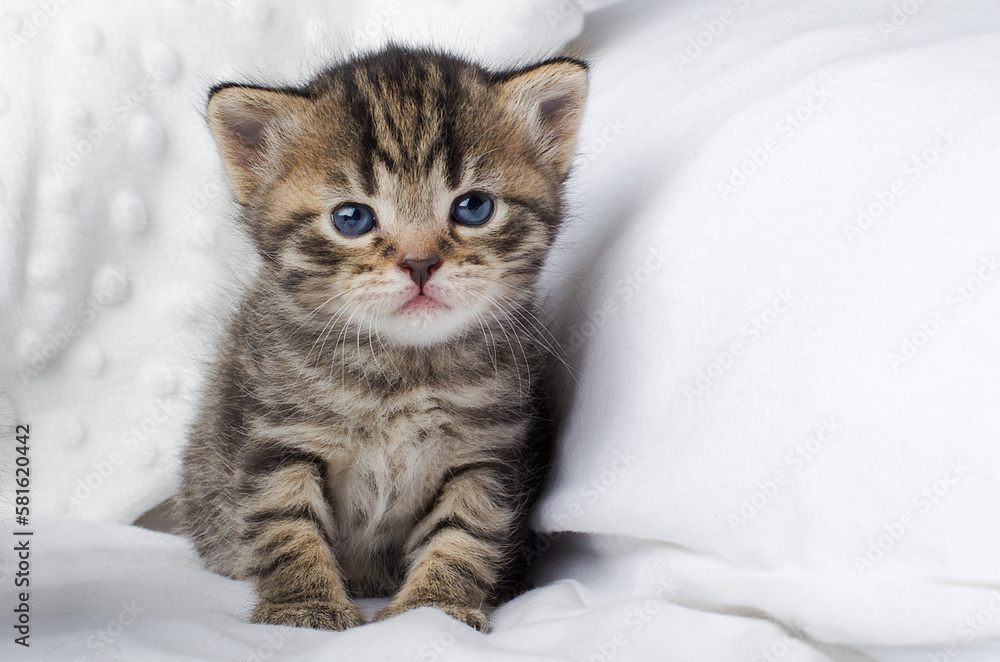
(422, 321)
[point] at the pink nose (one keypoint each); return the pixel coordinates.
(420, 270)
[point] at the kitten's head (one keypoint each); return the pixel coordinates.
(407, 193)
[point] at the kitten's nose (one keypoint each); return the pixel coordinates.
(420, 270)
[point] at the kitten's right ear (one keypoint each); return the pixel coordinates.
(252, 127)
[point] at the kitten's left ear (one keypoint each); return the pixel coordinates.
(552, 97)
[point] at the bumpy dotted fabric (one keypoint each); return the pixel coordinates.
(119, 260)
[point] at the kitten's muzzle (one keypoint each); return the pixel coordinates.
(420, 270)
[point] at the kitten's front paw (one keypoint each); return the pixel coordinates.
(471, 616)
(318, 614)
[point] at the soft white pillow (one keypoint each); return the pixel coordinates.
(781, 296)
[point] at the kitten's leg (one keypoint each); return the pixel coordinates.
(458, 552)
(287, 543)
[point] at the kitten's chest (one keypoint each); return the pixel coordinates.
(387, 465)
(386, 454)
(384, 474)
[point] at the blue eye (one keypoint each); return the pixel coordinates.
(473, 208)
(353, 219)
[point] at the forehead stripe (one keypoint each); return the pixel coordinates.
(360, 111)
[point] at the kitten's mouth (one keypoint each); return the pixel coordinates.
(421, 304)
(420, 319)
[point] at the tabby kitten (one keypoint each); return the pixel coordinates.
(374, 424)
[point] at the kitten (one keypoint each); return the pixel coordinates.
(374, 424)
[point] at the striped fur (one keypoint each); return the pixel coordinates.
(346, 448)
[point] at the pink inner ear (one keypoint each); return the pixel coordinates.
(249, 130)
(250, 135)
(554, 115)
(550, 111)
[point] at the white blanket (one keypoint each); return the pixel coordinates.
(777, 293)
(114, 592)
